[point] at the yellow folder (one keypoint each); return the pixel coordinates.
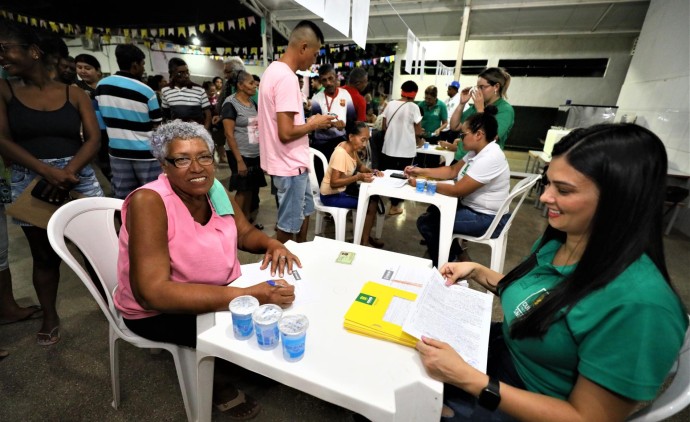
(366, 314)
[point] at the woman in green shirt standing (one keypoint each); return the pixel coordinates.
(492, 88)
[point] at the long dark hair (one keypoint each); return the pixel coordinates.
(628, 165)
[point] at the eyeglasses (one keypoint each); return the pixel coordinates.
(184, 162)
(483, 86)
(182, 73)
(4, 47)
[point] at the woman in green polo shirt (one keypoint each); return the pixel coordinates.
(592, 324)
(491, 89)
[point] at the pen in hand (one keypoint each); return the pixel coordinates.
(273, 283)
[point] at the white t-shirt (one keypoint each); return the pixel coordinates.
(489, 167)
(451, 104)
(400, 140)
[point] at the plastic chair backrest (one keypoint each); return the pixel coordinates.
(521, 189)
(313, 154)
(677, 396)
(90, 224)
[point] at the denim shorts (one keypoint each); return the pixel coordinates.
(22, 176)
(295, 201)
(4, 240)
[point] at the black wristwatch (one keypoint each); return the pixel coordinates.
(490, 396)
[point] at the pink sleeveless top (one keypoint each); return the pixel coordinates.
(205, 254)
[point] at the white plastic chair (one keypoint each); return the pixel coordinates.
(677, 396)
(499, 244)
(90, 224)
(339, 214)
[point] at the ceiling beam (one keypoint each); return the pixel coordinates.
(550, 4)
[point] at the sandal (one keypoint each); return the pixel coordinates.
(3, 354)
(48, 339)
(241, 408)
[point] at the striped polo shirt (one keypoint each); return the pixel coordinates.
(186, 103)
(130, 110)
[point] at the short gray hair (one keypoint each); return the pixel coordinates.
(177, 130)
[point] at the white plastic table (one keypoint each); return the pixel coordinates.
(448, 156)
(446, 204)
(380, 380)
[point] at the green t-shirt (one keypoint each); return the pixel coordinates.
(624, 337)
(505, 119)
(432, 116)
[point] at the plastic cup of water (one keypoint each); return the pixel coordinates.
(293, 334)
(426, 145)
(241, 309)
(421, 183)
(430, 187)
(266, 319)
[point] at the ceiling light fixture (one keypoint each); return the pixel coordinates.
(195, 40)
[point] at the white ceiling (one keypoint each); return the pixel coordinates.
(488, 19)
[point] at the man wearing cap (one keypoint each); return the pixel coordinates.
(451, 103)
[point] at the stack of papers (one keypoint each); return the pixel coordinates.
(457, 315)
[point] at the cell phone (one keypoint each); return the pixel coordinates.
(399, 175)
(43, 191)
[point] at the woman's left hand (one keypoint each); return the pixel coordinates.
(280, 259)
(441, 361)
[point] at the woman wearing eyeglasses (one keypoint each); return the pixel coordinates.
(491, 89)
(178, 251)
(482, 182)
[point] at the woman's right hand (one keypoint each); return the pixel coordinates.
(61, 178)
(365, 177)
(241, 168)
(465, 95)
(412, 171)
(282, 294)
(454, 271)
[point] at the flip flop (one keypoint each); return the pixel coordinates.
(37, 313)
(241, 408)
(48, 339)
(3, 354)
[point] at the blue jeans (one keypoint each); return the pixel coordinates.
(339, 200)
(499, 364)
(467, 221)
(22, 176)
(295, 201)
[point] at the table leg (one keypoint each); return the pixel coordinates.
(204, 391)
(445, 235)
(362, 202)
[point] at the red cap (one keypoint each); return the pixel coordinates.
(408, 94)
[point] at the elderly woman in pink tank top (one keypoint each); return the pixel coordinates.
(178, 252)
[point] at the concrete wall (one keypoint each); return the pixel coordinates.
(535, 91)
(657, 89)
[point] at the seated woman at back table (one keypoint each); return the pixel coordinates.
(592, 324)
(483, 183)
(178, 251)
(346, 169)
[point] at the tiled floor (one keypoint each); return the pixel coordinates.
(71, 380)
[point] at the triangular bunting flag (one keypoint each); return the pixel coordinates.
(251, 20)
(202, 28)
(231, 24)
(242, 23)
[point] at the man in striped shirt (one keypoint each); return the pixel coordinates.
(182, 98)
(130, 112)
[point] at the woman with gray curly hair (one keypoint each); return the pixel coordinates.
(178, 252)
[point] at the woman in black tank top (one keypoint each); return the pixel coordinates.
(41, 134)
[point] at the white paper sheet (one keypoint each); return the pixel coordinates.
(411, 279)
(360, 22)
(314, 6)
(410, 51)
(457, 315)
(252, 274)
(337, 14)
(422, 53)
(389, 181)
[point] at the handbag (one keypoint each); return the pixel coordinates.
(37, 212)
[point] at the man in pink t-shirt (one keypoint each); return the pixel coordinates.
(283, 144)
